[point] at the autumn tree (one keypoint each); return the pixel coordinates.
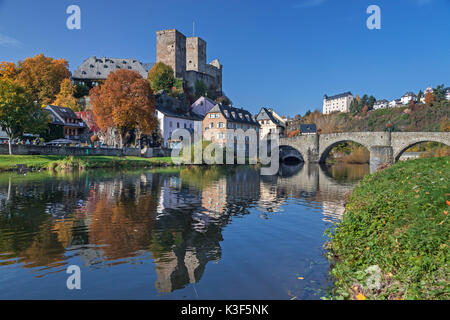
(42, 76)
(161, 77)
(65, 97)
(18, 112)
(8, 70)
(429, 99)
(124, 102)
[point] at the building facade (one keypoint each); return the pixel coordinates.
(170, 120)
(270, 122)
(340, 103)
(408, 98)
(381, 104)
(395, 103)
(222, 118)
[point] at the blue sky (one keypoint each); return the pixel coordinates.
(284, 54)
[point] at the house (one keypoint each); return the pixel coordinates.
(171, 119)
(340, 102)
(202, 106)
(270, 122)
(381, 104)
(408, 97)
(308, 129)
(73, 127)
(447, 93)
(395, 103)
(222, 118)
(427, 90)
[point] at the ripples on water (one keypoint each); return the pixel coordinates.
(208, 233)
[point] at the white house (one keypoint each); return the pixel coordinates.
(447, 93)
(381, 104)
(340, 102)
(408, 97)
(395, 103)
(427, 90)
(202, 106)
(170, 120)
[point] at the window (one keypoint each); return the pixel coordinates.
(190, 126)
(211, 125)
(185, 126)
(170, 124)
(220, 125)
(178, 125)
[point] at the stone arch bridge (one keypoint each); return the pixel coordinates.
(384, 147)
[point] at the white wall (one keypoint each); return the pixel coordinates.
(168, 125)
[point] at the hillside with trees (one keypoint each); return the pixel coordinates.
(415, 117)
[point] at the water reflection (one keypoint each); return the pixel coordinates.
(176, 216)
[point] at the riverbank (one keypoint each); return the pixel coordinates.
(393, 242)
(45, 162)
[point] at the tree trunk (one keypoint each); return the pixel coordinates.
(10, 147)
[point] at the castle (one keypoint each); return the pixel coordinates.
(186, 55)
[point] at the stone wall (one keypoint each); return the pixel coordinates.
(67, 151)
(196, 54)
(171, 50)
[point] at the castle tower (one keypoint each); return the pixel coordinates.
(171, 50)
(196, 54)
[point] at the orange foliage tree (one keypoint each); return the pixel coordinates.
(429, 99)
(124, 102)
(8, 70)
(42, 76)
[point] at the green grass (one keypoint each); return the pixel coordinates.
(396, 220)
(68, 162)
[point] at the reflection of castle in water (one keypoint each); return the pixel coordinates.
(109, 220)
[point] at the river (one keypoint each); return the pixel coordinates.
(172, 233)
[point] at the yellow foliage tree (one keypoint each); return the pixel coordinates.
(65, 96)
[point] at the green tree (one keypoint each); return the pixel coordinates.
(161, 77)
(419, 95)
(439, 93)
(19, 113)
(200, 89)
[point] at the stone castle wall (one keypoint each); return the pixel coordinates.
(171, 50)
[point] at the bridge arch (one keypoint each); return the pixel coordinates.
(326, 150)
(288, 152)
(399, 152)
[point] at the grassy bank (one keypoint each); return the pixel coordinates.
(393, 242)
(8, 163)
